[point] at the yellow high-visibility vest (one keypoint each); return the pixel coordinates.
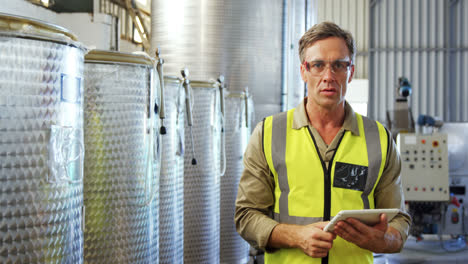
(307, 192)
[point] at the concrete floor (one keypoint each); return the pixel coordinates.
(429, 250)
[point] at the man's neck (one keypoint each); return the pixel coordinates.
(327, 121)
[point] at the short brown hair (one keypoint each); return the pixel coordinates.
(325, 30)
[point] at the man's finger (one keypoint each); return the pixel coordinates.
(358, 226)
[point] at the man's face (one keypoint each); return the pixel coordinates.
(324, 74)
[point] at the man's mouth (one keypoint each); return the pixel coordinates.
(329, 90)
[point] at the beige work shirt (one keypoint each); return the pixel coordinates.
(255, 197)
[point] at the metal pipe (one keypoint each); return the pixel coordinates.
(162, 107)
(371, 111)
(221, 94)
(246, 97)
(188, 108)
(220, 84)
(284, 68)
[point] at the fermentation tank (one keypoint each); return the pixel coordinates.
(122, 160)
(41, 143)
(241, 40)
(202, 180)
(233, 249)
(171, 216)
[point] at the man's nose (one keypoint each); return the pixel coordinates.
(328, 74)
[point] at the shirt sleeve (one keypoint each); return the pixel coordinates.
(255, 196)
(389, 193)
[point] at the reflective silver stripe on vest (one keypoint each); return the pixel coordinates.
(298, 220)
(278, 155)
(374, 156)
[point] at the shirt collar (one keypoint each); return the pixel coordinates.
(350, 122)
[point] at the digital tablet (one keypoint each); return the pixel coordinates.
(367, 216)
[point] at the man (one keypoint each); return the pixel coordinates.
(305, 165)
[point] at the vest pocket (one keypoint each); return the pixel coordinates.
(350, 176)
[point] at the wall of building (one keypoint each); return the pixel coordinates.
(427, 42)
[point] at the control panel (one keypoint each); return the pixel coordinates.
(424, 166)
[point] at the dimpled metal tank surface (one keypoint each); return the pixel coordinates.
(202, 181)
(233, 248)
(41, 143)
(122, 159)
(171, 184)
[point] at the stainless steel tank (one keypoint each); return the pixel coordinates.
(41, 143)
(233, 248)
(202, 180)
(240, 39)
(122, 160)
(171, 184)
(457, 147)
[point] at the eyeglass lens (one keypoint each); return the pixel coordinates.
(319, 66)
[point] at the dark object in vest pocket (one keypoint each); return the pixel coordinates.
(350, 176)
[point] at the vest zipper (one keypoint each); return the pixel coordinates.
(327, 177)
(327, 182)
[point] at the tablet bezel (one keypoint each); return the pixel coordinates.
(367, 216)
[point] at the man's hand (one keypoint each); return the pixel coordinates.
(311, 239)
(315, 242)
(379, 238)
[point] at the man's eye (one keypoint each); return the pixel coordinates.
(318, 65)
(339, 65)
